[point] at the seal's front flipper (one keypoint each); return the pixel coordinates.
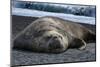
(78, 43)
(82, 45)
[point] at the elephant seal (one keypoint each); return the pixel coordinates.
(53, 35)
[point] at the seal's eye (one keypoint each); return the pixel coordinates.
(39, 33)
(48, 37)
(54, 37)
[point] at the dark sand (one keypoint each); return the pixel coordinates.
(19, 57)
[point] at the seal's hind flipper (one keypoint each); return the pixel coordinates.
(90, 37)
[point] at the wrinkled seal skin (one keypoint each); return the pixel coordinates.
(53, 35)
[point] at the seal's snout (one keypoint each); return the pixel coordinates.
(54, 40)
(55, 43)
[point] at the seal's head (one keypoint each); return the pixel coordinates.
(52, 41)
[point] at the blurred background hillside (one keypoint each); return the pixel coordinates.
(57, 8)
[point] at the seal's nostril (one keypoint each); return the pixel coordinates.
(48, 37)
(60, 37)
